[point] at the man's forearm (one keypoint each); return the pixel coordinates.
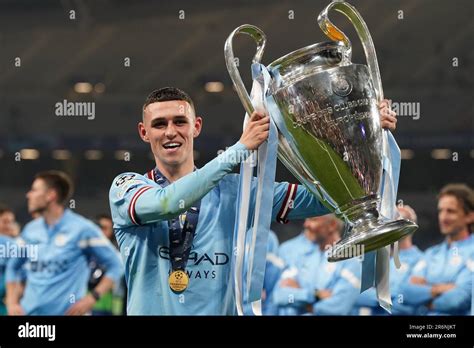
(14, 293)
(105, 285)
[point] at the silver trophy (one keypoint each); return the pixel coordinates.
(329, 130)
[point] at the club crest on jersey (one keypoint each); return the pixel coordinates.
(456, 260)
(60, 240)
(330, 267)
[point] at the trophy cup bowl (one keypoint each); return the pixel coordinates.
(330, 136)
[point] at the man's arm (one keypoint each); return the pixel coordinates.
(288, 292)
(343, 292)
(14, 278)
(12, 301)
(416, 291)
(457, 298)
(94, 244)
(292, 201)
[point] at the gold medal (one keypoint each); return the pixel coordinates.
(178, 281)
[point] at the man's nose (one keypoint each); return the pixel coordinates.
(170, 130)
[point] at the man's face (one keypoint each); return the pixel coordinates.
(7, 223)
(323, 228)
(39, 196)
(107, 227)
(170, 127)
(451, 216)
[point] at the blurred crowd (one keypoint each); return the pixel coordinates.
(298, 280)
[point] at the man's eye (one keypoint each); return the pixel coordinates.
(159, 125)
(180, 122)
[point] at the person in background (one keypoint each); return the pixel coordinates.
(111, 303)
(57, 274)
(409, 255)
(7, 219)
(304, 244)
(8, 225)
(106, 225)
(441, 283)
(314, 285)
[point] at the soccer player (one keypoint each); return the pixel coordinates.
(305, 243)
(56, 278)
(313, 285)
(174, 225)
(441, 282)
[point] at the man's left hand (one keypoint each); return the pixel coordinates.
(83, 306)
(388, 118)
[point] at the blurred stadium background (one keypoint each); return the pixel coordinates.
(85, 60)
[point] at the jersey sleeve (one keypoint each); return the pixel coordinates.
(136, 200)
(14, 271)
(94, 244)
(293, 201)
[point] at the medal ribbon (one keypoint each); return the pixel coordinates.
(181, 234)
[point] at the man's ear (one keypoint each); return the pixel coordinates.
(142, 132)
(197, 126)
(51, 195)
(470, 218)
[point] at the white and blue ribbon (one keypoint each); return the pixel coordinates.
(253, 226)
(376, 264)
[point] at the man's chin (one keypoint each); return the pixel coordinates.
(36, 210)
(171, 161)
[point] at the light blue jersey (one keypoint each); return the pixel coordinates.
(443, 263)
(313, 272)
(295, 248)
(273, 269)
(367, 303)
(57, 276)
(141, 209)
(5, 243)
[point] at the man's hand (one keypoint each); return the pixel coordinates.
(418, 280)
(256, 131)
(82, 306)
(289, 283)
(438, 289)
(324, 293)
(15, 309)
(388, 118)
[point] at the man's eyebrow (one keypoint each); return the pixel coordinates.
(163, 119)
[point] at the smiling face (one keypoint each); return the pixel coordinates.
(451, 216)
(170, 127)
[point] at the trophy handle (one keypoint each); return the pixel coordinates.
(260, 39)
(334, 33)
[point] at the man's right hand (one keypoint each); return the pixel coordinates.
(256, 131)
(289, 283)
(15, 309)
(438, 289)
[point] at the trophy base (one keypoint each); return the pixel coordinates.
(368, 238)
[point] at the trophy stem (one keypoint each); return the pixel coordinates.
(367, 230)
(362, 213)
